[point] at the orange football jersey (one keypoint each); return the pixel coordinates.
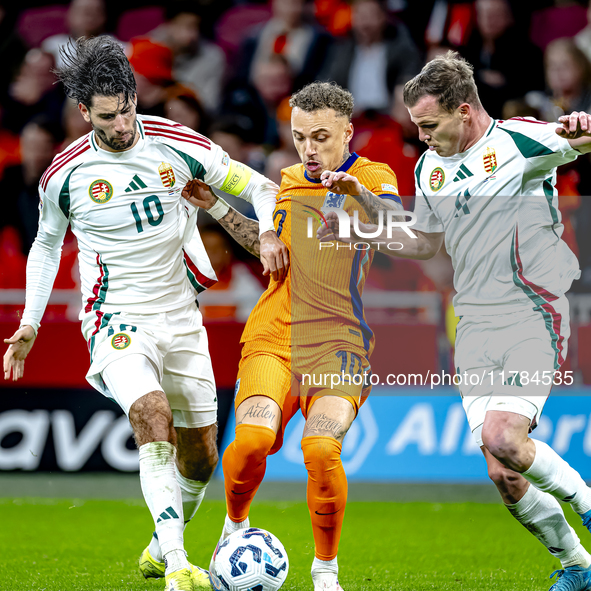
(320, 299)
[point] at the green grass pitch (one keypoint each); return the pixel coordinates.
(93, 545)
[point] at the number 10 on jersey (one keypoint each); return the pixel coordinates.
(147, 203)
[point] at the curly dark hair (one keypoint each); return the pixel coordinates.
(323, 95)
(95, 66)
(449, 78)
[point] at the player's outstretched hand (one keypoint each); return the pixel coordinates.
(19, 346)
(575, 125)
(199, 194)
(274, 256)
(341, 182)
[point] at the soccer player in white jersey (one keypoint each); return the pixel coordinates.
(487, 189)
(142, 263)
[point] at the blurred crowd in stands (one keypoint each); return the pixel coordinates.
(226, 68)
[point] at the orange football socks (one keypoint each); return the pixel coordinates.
(244, 463)
(327, 493)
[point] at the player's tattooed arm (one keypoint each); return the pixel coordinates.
(372, 204)
(341, 182)
(244, 230)
(267, 246)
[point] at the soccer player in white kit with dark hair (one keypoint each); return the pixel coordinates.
(142, 263)
(487, 189)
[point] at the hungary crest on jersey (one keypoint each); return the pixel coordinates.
(100, 191)
(490, 160)
(167, 175)
(437, 179)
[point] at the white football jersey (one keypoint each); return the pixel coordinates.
(498, 207)
(140, 250)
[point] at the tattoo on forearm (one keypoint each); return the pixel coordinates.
(372, 204)
(322, 425)
(258, 412)
(244, 230)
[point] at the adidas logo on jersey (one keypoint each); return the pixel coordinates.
(462, 174)
(136, 184)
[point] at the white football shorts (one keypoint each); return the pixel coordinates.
(134, 354)
(508, 361)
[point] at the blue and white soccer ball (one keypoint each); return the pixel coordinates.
(249, 560)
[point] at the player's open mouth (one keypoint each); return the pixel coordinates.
(431, 147)
(312, 166)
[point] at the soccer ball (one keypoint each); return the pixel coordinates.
(249, 560)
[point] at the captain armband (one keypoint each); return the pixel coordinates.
(237, 178)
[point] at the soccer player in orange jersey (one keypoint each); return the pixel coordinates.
(307, 348)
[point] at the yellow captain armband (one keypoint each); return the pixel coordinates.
(237, 179)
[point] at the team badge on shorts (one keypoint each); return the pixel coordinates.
(167, 175)
(121, 341)
(437, 179)
(489, 159)
(100, 191)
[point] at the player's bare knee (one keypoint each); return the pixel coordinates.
(151, 419)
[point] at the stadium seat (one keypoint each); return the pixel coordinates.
(236, 23)
(36, 24)
(138, 21)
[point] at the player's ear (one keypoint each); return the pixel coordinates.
(85, 112)
(349, 132)
(465, 111)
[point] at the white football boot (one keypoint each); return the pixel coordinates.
(325, 581)
(229, 528)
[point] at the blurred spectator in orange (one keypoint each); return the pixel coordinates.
(506, 64)
(286, 155)
(237, 289)
(334, 16)
(377, 59)
(85, 18)
(288, 33)
(450, 22)
(184, 107)
(73, 124)
(33, 92)
(152, 65)
(19, 186)
(197, 63)
(568, 77)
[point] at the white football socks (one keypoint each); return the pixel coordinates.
(541, 514)
(231, 526)
(325, 566)
(551, 474)
(192, 493)
(163, 497)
